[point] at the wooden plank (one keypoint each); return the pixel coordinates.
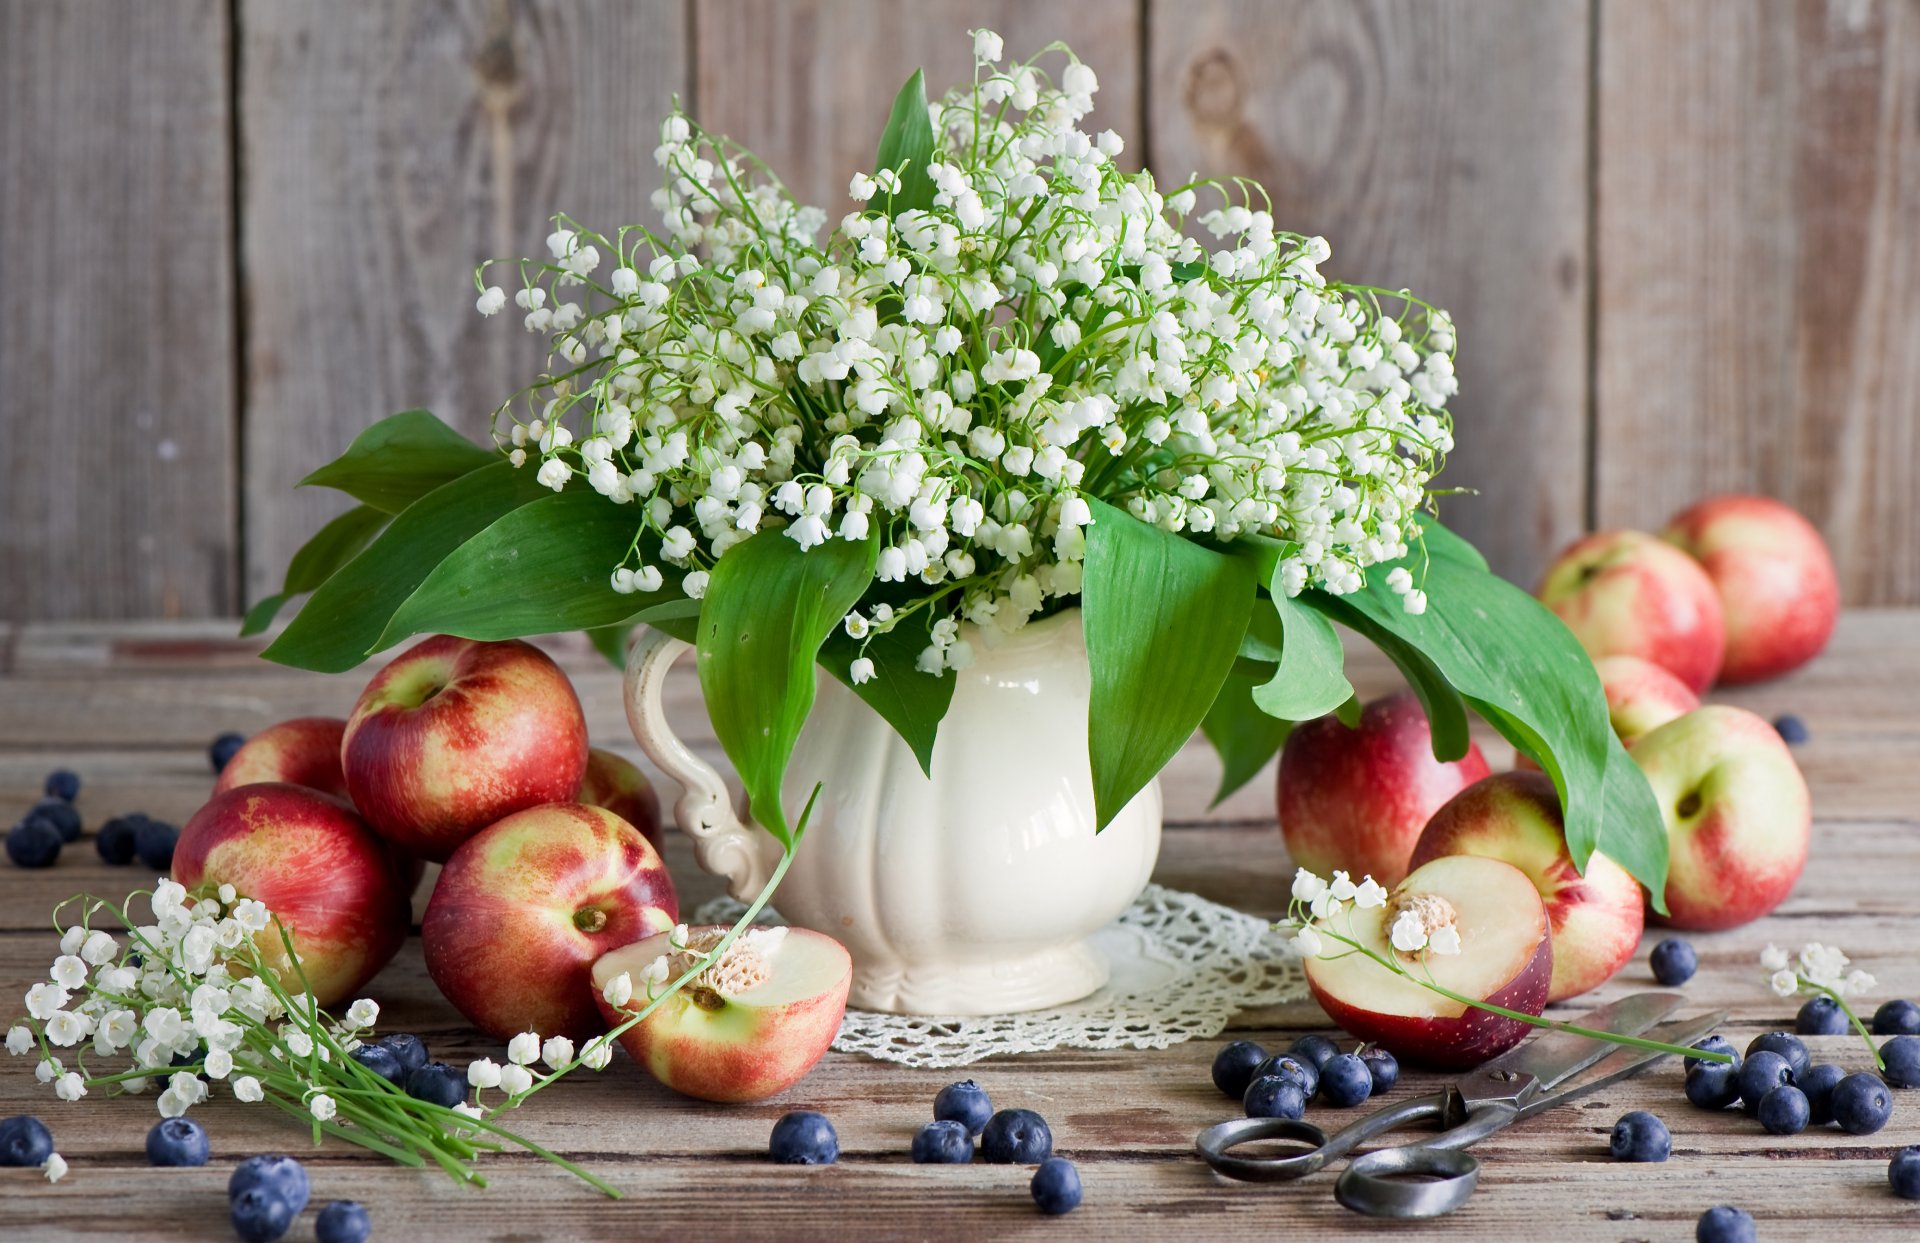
(117, 328)
(1759, 273)
(807, 85)
(1439, 148)
(387, 150)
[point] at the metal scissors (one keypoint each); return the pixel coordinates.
(1433, 1177)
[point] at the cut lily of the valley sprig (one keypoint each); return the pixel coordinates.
(1321, 911)
(1821, 971)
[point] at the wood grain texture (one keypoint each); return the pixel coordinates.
(117, 320)
(388, 149)
(1759, 269)
(1439, 148)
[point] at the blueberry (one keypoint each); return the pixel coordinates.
(1897, 1018)
(342, 1221)
(1270, 1096)
(1639, 1136)
(1761, 1073)
(1818, 1083)
(63, 784)
(1673, 962)
(1713, 1085)
(1861, 1104)
(1725, 1224)
(114, 841)
(1787, 1045)
(1233, 1066)
(438, 1084)
(964, 1102)
(1821, 1016)
(408, 1048)
(1902, 1057)
(1715, 1043)
(278, 1176)
(24, 1140)
(1287, 1066)
(1016, 1137)
(1384, 1067)
(33, 844)
(1792, 730)
(1904, 1173)
(222, 748)
(379, 1059)
(259, 1216)
(1056, 1186)
(1785, 1111)
(153, 842)
(177, 1141)
(1345, 1081)
(1315, 1049)
(943, 1143)
(64, 819)
(804, 1137)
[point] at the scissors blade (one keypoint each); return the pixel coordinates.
(1554, 1057)
(1626, 1060)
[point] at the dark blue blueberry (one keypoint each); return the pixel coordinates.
(342, 1221)
(1270, 1096)
(1792, 730)
(1818, 1083)
(1383, 1066)
(259, 1216)
(1787, 1045)
(1233, 1066)
(1785, 1111)
(63, 784)
(1715, 1043)
(1639, 1136)
(1056, 1186)
(24, 1140)
(279, 1176)
(1903, 1172)
(1902, 1057)
(1897, 1018)
(943, 1143)
(438, 1084)
(114, 841)
(964, 1102)
(1713, 1085)
(407, 1047)
(177, 1141)
(222, 748)
(1821, 1016)
(153, 842)
(62, 816)
(1016, 1137)
(1345, 1081)
(1287, 1066)
(1315, 1049)
(1673, 962)
(379, 1059)
(33, 844)
(1761, 1073)
(804, 1137)
(1725, 1224)
(1861, 1104)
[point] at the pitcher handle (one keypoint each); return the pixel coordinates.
(724, 844)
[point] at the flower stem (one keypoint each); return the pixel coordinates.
(1866, 1037)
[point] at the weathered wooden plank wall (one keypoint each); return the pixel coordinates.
(1679, 236)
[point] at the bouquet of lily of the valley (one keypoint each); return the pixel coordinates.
(1014, 378)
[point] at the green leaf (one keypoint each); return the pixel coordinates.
(1311, 679)
(768, 608)
(906, 145)
(399, 460)
(611, 641)
(1440, 542)
(679, 617)
(335, 544)
(344, 619)
(914, 703)
(1244, 736)
(1446, 710)
(1164, 617)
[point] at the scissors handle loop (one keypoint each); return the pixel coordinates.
(1216, 1141)
(1376, 1184)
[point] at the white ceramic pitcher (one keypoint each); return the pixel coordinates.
(970, 892)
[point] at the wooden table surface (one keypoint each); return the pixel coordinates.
(131, 707)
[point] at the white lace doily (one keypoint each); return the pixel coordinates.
(1182, 968)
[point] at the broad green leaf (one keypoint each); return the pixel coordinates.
(399, 460)
(1446, 711)
(1348, 713)
(679, 617)
(914, 703)
(906, 145)
(768, 608)
(611, 641)
(335, 544)
(344, 618)
(1164, 618)
(1311, 679)
(1244, 736)
(1262, 641)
